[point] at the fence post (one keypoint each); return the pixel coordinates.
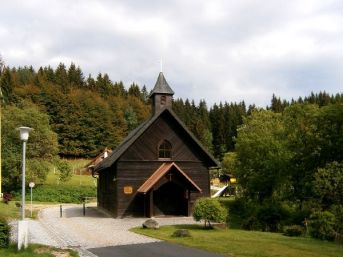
(61, 211)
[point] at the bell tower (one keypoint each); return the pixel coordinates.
(162, 95)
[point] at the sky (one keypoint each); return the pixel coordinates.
(210, 49)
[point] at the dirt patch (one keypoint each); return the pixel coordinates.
(55, 252)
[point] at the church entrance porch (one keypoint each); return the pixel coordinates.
(170, 199)
(167, 192)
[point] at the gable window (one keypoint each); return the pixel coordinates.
(164, 150)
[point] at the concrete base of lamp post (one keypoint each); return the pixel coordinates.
(23, 234)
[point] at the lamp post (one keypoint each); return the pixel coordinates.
(1, 99)
(31, 185)
(22, 224)
(24, 136)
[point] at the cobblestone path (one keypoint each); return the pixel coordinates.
(96, 229)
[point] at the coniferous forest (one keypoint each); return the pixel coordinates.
(89, 114)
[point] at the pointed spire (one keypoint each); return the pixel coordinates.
(162, 95)
(161, 86)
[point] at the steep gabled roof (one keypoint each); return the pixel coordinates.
(99, 158)
(161, 86)
(162, 171)
(136, 133)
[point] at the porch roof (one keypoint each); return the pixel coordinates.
(162, 171)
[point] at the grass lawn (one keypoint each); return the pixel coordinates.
(235, 242)
(71, 191)
(55, 191)
(76, 180)
(37, 251)
(10, 211)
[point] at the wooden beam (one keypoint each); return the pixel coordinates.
(151, 203)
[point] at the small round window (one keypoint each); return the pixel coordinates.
(164, 150)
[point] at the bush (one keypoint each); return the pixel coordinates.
(322, 225)
(6, 197)
(4, 234)
(294, 230)
(65, 170)
(209, 210)
(271, 217)
(251, 223)
(60, 193)
(244, 212)
(181, 233)
(337, 210)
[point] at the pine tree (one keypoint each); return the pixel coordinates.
(134, 90)
(75, 76)
(6, 84)
(61, 78)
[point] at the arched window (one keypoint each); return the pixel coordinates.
(164, 150)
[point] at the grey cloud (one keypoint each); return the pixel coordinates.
(224, 57)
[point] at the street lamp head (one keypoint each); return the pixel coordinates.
(24, 133)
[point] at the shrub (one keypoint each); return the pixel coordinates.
(209, 210)
(60, 193)
(337, 210)
(4, 234)
(251, 223)
(181, 233)
(322, 225)
(65, 170)
(6, 197)
(244, 212)
(271, 216)
(294, 230)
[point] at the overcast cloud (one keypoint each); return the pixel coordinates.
(212, 50)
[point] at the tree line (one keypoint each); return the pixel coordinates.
(89, 114)
(289, 166)
(86, 114)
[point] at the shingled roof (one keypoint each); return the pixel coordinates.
(161, 86)
(162, 171)
(136, 133)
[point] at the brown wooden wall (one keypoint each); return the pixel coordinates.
(140, 161)
(106, 190)
(134, 174)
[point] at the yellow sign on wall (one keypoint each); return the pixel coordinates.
(128, 190)
(233, 180)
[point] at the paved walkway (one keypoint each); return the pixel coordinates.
(95, 230)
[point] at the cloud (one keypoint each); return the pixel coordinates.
(213, 50)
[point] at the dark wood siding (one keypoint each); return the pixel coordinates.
(107, 193)
(145, 148)
(135, 173)
(140, 161)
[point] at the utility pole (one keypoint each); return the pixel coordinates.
(0, 146)
(1, 100)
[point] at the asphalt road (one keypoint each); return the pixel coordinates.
(158, 249)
